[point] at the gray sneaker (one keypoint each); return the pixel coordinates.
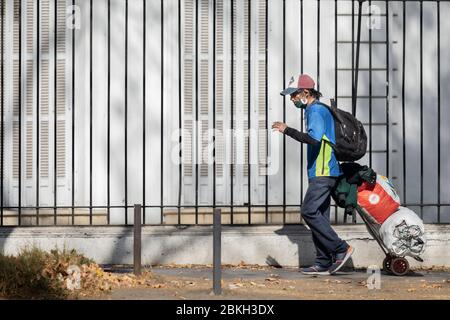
(315, 270)
(341, 259)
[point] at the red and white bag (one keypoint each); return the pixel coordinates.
(379, 199)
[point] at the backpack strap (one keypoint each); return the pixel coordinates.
(334, 110)
(333, 103)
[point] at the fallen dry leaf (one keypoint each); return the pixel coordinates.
(271, 279)
(233, 286)
(257, 284)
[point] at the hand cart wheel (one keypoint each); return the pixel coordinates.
(399, 266)
(387, 263)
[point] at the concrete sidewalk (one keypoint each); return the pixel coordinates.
(284, 245)
(285, 283)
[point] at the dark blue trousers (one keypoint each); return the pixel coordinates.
(316, 213)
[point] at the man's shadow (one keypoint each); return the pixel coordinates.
(301, 236)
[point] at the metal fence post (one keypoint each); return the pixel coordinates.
(217, 248)
(137, 239)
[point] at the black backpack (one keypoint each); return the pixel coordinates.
(351, 138)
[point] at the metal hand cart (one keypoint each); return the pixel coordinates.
(392, 263)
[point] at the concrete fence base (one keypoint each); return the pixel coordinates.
(289, 245)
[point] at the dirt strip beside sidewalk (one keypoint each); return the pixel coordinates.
(270, 283)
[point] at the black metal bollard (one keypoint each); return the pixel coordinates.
(217, 248)
(137, 245)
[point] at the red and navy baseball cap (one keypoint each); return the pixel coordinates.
(302, 81)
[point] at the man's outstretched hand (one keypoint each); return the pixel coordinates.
(280, 126)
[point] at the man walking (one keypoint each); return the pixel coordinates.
(323, 171)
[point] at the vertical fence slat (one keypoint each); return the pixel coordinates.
(180, 135)
(318, 46)
(353, 60)
(421, 109)
(91, 27)
(126, 112)
(438, 13)
(354, 98)
(403, 102)
(162, 112)
(196, 110)
(387, 89)
(38, 57)
(302, 147)
(2, 110)
(358, 41)
(248, 109)
(232, 166)
(284, 111)
(55, 114)
(108, 102)
(73, 114)
(214, 105)
(20, 115)
(144, 105)
(335, 76)
(370, 84)
(266, 109)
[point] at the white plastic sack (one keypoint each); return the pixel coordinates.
(404, 233)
